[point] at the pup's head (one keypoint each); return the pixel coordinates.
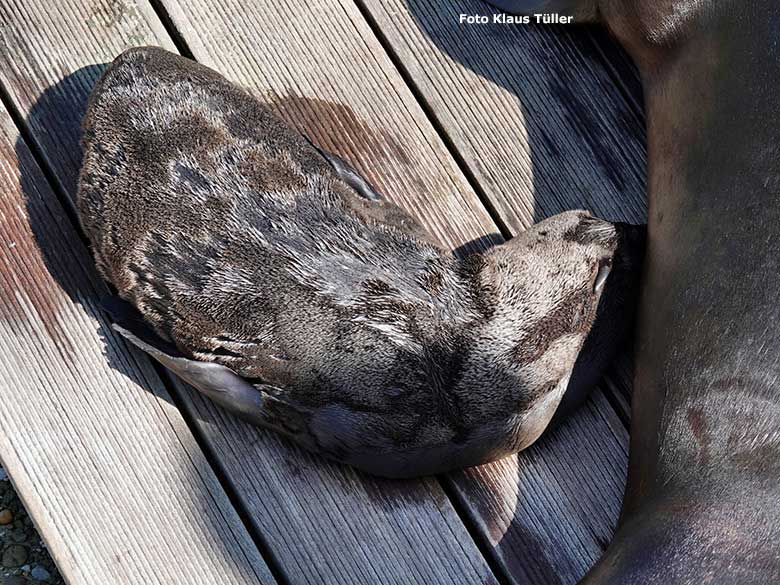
(541, 297)
(552, 276)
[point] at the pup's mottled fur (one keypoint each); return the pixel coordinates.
(252, 253)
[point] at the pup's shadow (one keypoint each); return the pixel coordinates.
(54, 122)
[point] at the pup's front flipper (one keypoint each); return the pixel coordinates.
(380, 209)
(258, 404)
(347, 173)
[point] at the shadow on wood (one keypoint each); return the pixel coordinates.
(575, 160)
(57, 115)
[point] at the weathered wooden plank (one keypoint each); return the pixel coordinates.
(530, 108)
(108, 469)
(322, 522)
(313, 52)
(332, 78)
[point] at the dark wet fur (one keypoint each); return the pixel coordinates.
(239, 243)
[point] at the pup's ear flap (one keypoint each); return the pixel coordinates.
(582, 10)
(347, 173)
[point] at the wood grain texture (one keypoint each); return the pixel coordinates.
(558, 503)
(531, 109)
(321, 522)
(107, 468)
(545, 515)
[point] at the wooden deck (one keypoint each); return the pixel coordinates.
(479, 130)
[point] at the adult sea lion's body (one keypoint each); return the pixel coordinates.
(703, 496)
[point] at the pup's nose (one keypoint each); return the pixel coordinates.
(592, 230)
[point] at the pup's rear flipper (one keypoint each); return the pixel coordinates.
(257, 404)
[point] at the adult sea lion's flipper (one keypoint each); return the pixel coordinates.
(256, 403)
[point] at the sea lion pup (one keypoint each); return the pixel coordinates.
(276, 281)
